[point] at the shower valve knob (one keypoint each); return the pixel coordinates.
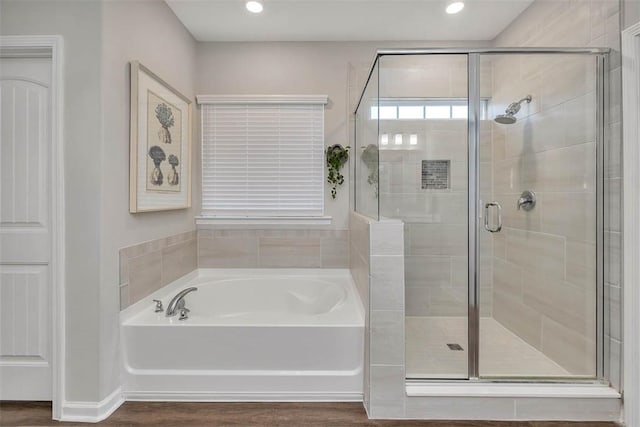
(527, 200)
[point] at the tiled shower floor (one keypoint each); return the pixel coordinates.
(502, 353)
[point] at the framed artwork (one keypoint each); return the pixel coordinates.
(160, 159)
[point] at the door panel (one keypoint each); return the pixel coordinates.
(538, 161)
(423, 180)
(25, 229)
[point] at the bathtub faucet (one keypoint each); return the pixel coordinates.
(177, 303)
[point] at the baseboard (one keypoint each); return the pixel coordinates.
(92, 412)
(240, 397)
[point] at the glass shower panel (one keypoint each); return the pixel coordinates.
(423, 181)
(538, 173)
(366, 166)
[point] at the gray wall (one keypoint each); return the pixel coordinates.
(631, 10)
(79, 22)
(149, 32)
(289, 69)
(100, 39)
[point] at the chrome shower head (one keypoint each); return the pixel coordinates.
(508, 118)
(505, 119)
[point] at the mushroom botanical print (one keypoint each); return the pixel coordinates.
(165, 117)
(158, 156)
(174, 176)
(164, 133)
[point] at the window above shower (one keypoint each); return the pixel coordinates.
(425, 109)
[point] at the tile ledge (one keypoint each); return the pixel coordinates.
(600, 391)
(204, 222)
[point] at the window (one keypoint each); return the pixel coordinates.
(262, 157)
(425, 109)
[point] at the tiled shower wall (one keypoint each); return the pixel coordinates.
(545, 259)
(565, 86)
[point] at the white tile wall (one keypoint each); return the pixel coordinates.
(558, 163)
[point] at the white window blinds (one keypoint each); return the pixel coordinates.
(262, 159)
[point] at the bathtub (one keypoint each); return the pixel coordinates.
(251, 335)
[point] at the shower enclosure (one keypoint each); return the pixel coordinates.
(493, 161)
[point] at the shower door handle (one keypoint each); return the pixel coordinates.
(486, 217)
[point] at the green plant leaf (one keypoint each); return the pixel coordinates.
(336, 157)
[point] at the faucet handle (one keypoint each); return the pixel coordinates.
(184, 314)
(159, 307)
(527, 200)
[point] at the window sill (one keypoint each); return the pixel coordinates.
(205, 221)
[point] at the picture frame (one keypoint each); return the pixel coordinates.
(160, 144)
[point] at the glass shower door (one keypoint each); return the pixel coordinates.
(538, 204)
(423, 180)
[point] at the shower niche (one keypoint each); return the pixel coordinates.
(493, 161)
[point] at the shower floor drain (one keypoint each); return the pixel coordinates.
(455, 347)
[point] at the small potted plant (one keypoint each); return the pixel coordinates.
(336, 156)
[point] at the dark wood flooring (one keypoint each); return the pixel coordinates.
(243, 414)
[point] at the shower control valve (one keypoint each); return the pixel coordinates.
(159, 307)
(527, 200)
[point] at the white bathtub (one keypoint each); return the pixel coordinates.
(252, 334)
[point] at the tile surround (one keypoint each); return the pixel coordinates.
(359, 264)
(148, 266)
(387, 337)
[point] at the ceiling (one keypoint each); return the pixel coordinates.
(345, 20)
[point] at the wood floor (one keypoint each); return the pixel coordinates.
(242, 414)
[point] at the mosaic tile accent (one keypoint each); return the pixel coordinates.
(435, 174)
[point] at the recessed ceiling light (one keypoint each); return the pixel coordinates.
(455, 7)
(254, 6)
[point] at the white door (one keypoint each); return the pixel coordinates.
(25, 228)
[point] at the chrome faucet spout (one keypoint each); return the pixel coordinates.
(177, 302)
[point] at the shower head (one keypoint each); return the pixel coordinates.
(509, 116)
(505, 119)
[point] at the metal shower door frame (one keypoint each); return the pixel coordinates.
(601, 56)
